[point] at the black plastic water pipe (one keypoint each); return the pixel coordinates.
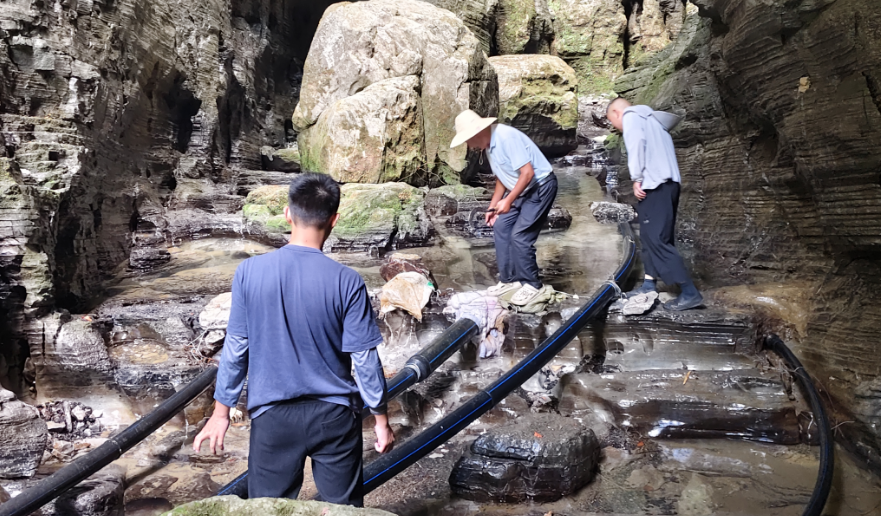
(418, 368)
(387, 466)
(65, 478)
(827, 452)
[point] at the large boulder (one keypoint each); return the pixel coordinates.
(425, 67)
(374, 136)
(537, 96)
(590, 36)
(541, 458)
(235, 506)
(23, 436)
(377, 217)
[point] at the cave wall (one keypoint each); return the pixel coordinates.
(780, 153)
(118, 118)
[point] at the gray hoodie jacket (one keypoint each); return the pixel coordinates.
(650, 153)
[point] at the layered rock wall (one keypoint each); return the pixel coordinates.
(779, 154)
(111, 115)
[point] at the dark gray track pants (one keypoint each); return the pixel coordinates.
(657, 233)
(515, 234)
(282, 438)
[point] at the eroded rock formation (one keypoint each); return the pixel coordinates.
(537, 96)
(779, 153)
(383, 82)
(116, 118)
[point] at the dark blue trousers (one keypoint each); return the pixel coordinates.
(282, 438)
(657, 234)
(515, 234)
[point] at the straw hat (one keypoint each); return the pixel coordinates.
(468, 124)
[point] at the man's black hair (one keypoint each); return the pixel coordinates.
(313, 199)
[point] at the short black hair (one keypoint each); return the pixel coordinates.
(313, 198)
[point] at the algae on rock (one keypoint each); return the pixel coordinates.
(373, 136)
(537, 96)
(372, 217)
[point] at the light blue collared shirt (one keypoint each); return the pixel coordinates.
(509, 151)
(651, 157)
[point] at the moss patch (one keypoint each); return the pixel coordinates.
(376, 208)
(271, 199)
(514, 31)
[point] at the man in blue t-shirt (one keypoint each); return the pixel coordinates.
(299, 322)
(524, 194)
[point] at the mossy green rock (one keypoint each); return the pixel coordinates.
(380, 216)
(235, 506)
(371, 216)
(537, 96)
(374, 136)
(590, 37)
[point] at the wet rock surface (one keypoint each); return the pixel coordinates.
(612, 212)
(543, 459)
(806, 221)
(23, 437)
(235, 506)
(99, 495)
(537, 96)
(688, 404)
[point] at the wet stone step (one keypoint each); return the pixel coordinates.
(696, 339)
(750, 405)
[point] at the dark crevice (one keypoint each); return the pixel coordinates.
(874, 90)
(628, 11)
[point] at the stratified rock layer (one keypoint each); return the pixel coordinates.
(372, 217)
(387, 79)
(541, 459)
(537, 96)
(23, 437)
(779, 154)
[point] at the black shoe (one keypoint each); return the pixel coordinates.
(684, 302)
(645, 288)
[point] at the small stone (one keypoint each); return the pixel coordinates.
(78, 413)
(436, 456)
(215, 315)
(52, 426)
(612, 212)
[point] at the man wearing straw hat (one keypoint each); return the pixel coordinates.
(525, 191)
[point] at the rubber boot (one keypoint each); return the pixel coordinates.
(688, 299)
(647, 286)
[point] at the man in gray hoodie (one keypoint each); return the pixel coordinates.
(651, 159)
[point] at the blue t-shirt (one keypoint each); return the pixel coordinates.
(302, 314)
(510, 150)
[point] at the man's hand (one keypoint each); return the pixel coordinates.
(490, 216)
(385, 438)
(638, 191)
(504, 206)
(215, 429)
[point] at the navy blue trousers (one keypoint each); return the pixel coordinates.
(657, 233)
(282, 438)
(516, 232)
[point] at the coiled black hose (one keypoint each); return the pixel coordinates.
(827, 452)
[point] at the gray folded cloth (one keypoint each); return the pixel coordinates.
(636, 305)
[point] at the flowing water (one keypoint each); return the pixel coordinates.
(638, 475)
